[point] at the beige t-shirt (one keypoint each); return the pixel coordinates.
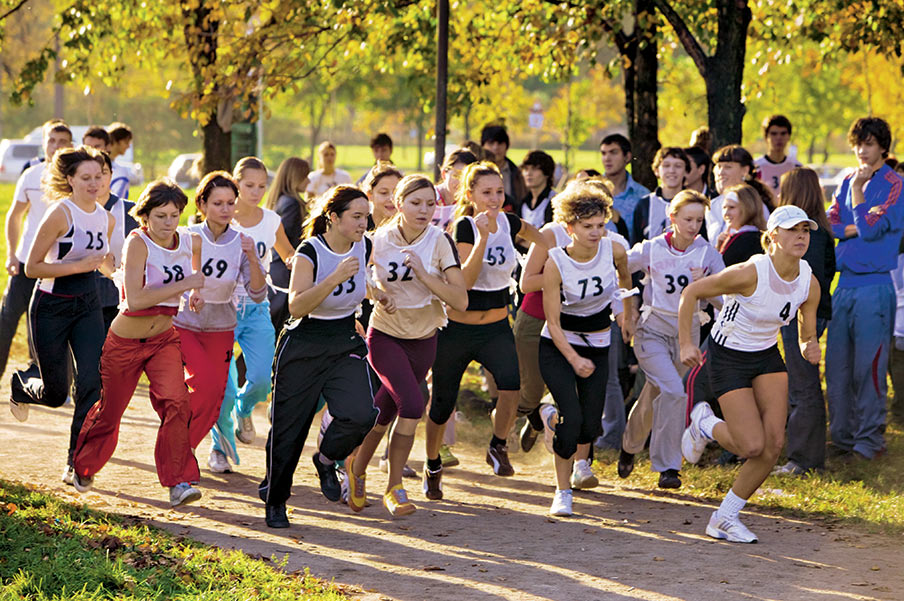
(420, 322)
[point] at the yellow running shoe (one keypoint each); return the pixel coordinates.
(396, 501)
(357, 496)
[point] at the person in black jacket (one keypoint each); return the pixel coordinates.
(494, 139)
(806, 447)
(743, 212)
(286, 198)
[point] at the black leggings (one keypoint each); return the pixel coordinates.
(491, 344)
(578, 400)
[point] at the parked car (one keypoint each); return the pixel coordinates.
(13, 156)
(830, 177)
(180, 170)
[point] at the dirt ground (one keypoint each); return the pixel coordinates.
(490, 539)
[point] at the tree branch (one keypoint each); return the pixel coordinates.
(13, 9)
(690, 43)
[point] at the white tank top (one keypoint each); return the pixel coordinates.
(587, 288)
(394, 277)
(500, 259)
(221, 264)
(86, 237)
(118, 238)
(264, 235)
(658, 218)
(344, 300)
(442, 215)
(670, 273)
(164, 266)
(751, 323)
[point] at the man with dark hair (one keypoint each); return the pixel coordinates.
(698, 177)
(538, 170)
(671, 165)
(28, 202)
(775, 163)
(867, 217)
(120, 140)
(381, 147)
(616, 152)
(494, 139)
(97, 137)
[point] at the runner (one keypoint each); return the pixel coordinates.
(746, 369)
(670, 262)
(379, 184)
(651, 215)
(328, 175)
(319, 352)
(775, 163)
(733, 167)
(417, 265)
(228, 260)
(65, 317)
(744, 221)
(254, 330)
(453, 166)
(580, 282)
(159, 264)
(485, 237)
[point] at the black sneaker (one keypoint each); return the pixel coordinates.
(276, 516)
(625, 463)
(433, 484)
(528, 437)
(669, 479)
(497, 457)
(329, 480)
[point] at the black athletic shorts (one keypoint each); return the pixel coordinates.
(732, 370)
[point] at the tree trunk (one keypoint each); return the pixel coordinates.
(725, 73)
(217, 145)
(811, 151)
(419, 125)
(644, 134)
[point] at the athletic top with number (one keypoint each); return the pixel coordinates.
(29, 192)
(263, 233)
(225, 266)
(107, 289)
(751, 323)
(418, 311)
(771, 173)
(163, 266)
(344, 300)
(85, 237)
(492, 289)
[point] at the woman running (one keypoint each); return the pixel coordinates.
(286, 199)
(743, 211)
(485, 237)
(670, 262)
(159, 265)
(228, 261)
(746, 370)
(580, 281)
(319, 352)
(254, 330)
(416, 264)
(379, 185)
(65, 316)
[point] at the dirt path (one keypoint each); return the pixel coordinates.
(490, 540)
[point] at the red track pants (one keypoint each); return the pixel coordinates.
(206, 356)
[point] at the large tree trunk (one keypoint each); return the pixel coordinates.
(217, 147)
(725, 74)
(645, 132)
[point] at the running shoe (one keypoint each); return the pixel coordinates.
(582, 476)
(180, 494)
(433, 484)
(384, 464)
(329, 479)
(276, 516)
(396, 502)
(18, 399)
(218, 463)
(67, 475)
(669, 479)
(789, 469)
(497, 457)
(446, 456)
(244, 429)
(731, 530)
(528, 437)
(625, 463)
(408, 472)
(357, 494)
(83, 483)
(561, 503)
(693, 441)
(550, 417)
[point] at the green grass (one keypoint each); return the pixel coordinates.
(53, 550)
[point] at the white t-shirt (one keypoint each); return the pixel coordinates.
(29, 192)
(119, 182)
(318, 183)
(771, 173)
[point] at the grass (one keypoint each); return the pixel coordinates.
(53, 550)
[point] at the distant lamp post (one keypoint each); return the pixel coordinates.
(442, 79)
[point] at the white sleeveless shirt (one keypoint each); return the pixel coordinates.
(751, 323)
(587, 288)
(500, 259)
(670, 273)
(264, 235)
(221, 264)
(164, 266)
(85, 237)
(658, 219)
(394, 277)
(344, 300)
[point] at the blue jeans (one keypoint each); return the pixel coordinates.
(255, 336)
(807, 408)
(857, 351)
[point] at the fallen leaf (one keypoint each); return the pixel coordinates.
(658, 559)
(433, 569)
(875, 568)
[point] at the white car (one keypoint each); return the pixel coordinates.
(13, 156)
(180, 170)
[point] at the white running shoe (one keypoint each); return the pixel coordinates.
(182, 494)
(561, 503)
(218, 463)
(582, 476)
(731, 530)
(68, 473)
(244, 429)
(19, 410)
(693, 441)
(82, 483)
(550, 416)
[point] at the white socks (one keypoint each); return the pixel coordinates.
(708, 423)
(731, 506)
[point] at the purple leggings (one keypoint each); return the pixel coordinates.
(402, 365)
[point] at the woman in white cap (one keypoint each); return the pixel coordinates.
(746, 370)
